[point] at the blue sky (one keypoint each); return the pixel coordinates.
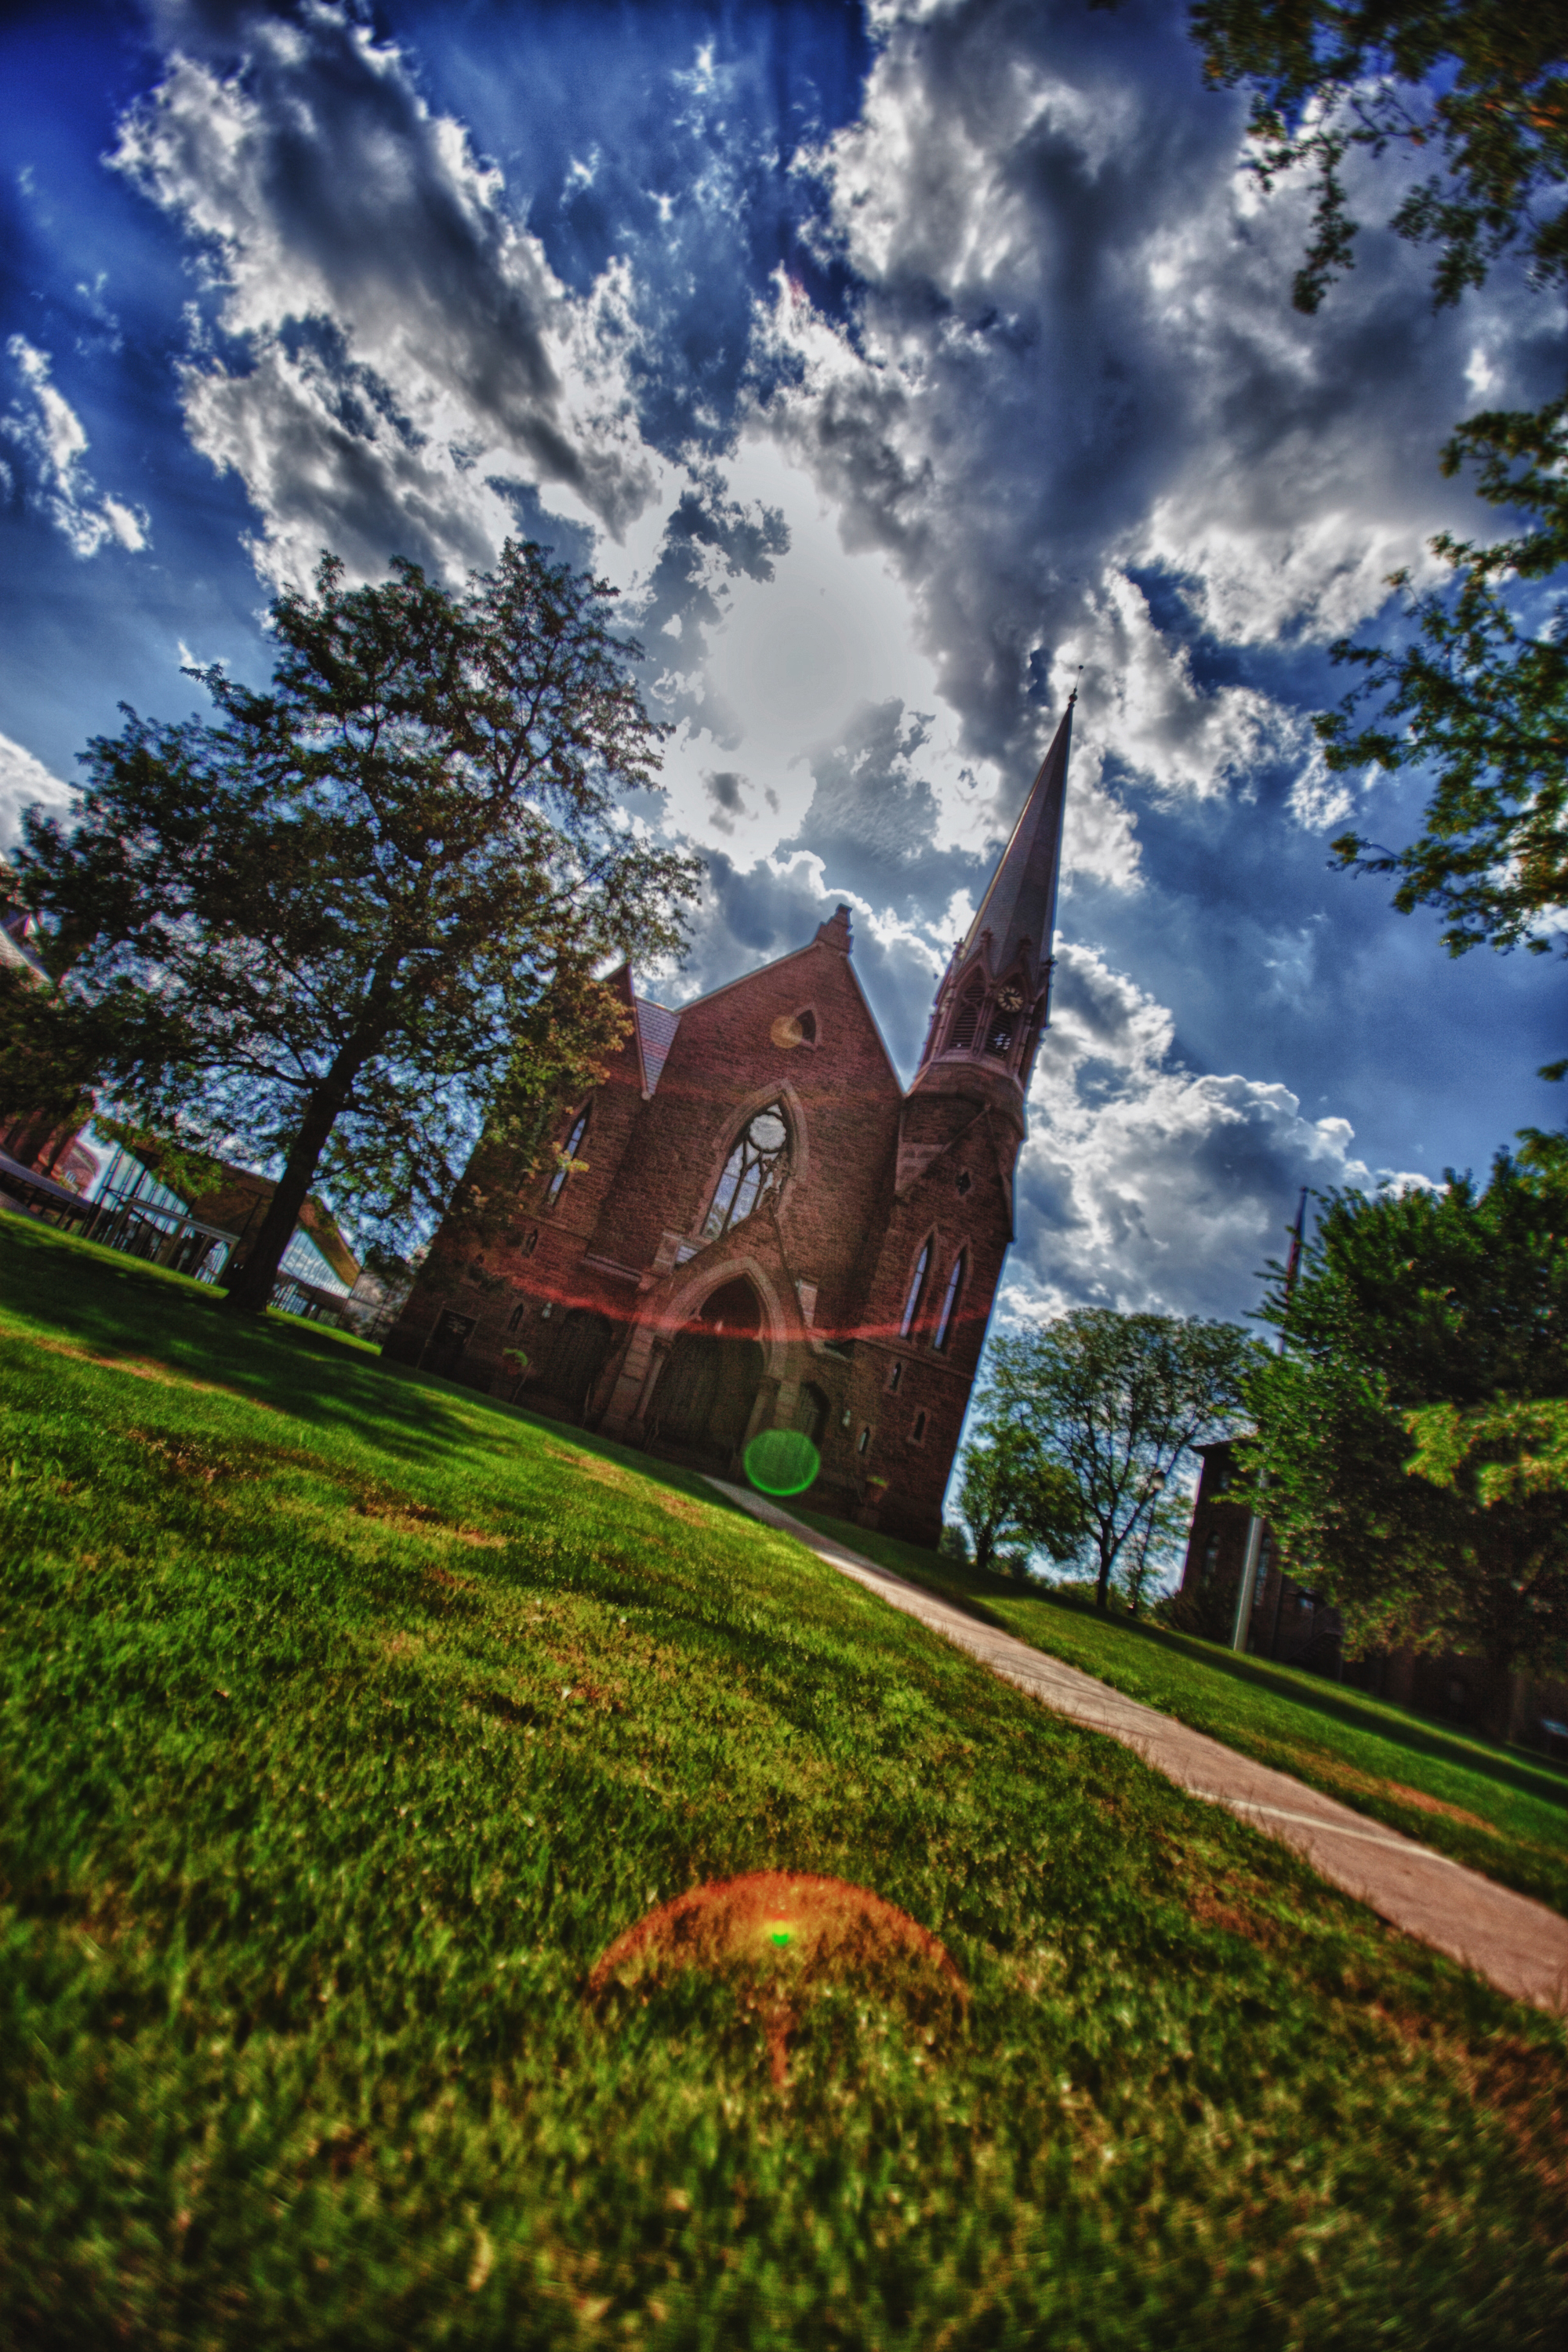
(903, 366)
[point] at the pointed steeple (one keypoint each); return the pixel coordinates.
(994, 997)
(1021, 904)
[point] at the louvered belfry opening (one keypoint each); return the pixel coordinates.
(966, 1023)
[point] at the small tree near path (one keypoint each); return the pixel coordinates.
(361, 914)
(1117, 1400)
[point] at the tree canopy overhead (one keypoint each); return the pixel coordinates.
(1474, 693)
(361, 913)
(1476, 86)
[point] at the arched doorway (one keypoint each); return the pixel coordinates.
(703, 1402)
(576, 1359)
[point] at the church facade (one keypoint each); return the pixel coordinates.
(760, 1228)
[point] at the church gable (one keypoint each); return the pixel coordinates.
(798, 1036)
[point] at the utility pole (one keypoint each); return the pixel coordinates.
(1254, 1525)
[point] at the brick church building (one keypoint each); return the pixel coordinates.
(765, 1229)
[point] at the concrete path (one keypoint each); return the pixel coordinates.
(1519, 1945)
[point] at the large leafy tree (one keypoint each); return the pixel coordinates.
(1119, 1401)
(1475, 693)
(358, 914)
(1412, 1433)
(1011, 1493)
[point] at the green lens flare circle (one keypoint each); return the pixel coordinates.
(781, 1462)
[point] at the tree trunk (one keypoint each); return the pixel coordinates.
(249, 1289)
(1102, 1582)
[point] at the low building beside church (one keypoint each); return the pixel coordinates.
(760, 1228)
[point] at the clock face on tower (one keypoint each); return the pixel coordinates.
(1010, 1001)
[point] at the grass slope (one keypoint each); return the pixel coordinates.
(1503, 1810)
(346, 1718)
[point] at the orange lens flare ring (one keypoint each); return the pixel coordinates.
(820, 1931)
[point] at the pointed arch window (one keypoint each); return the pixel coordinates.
(916, 1291)
(569, 1151)
(966, 1023)
(949, 1302)
(757, 1165)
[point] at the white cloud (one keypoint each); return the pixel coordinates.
(410, 352)
(52, 440)
(24, 780)
(1146, 1185)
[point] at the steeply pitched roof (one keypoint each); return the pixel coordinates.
(1021, 903)
(657, 1026)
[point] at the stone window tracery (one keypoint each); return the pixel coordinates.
(757, 1165)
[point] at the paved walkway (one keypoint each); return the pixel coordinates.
(1519, 1945)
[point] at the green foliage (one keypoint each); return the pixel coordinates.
(361, 913)
(345, 1718)
(45, 1074)
(1501, 1453)
(1442, 1319)
(1118, 1401)
(172, 1158)
(1480, 696)
(1010, 1492)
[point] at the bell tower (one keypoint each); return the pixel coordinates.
(993, 999)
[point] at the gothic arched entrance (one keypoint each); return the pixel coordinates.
(704, 1402)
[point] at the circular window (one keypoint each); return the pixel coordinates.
(768, 1131)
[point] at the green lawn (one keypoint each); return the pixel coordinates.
(346, 1718)
(1504, 1810)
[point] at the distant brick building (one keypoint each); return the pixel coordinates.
(1289, 1621)
(1296, 1626)
(768, 1232)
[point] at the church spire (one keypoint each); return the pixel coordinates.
(1020, 906)
(994, 995)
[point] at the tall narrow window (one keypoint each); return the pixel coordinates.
(967, 1022)
(916, 1292)
(568, 1151)
(949, 1301)
(756, 1166)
